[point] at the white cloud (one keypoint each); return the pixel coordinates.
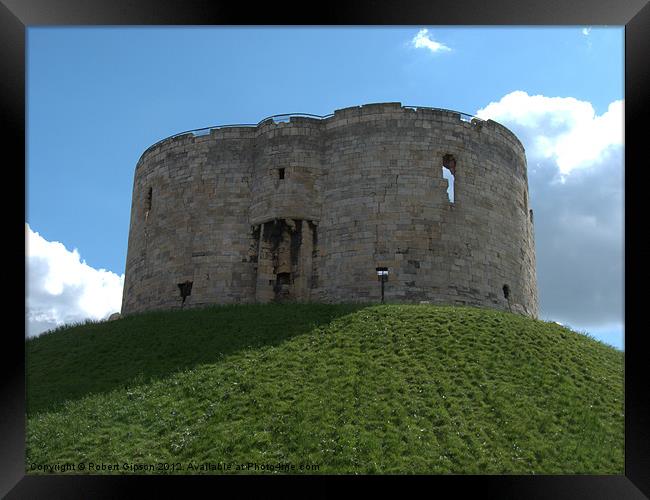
(61, 288)
(579, 234)
(422, 40)
(565, 130)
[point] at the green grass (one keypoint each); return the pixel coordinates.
(349, 388)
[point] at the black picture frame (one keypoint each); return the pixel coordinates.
(16, 15)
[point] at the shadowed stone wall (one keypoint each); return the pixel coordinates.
(305, 210)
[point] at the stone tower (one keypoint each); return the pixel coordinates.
(307, 208)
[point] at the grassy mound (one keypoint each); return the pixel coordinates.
(335, 388)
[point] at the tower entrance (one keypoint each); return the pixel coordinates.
(284, 266)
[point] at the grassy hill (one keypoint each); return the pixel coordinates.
(339, 388)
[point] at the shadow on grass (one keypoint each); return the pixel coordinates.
(91, 358)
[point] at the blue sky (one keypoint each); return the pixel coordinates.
(98, 97)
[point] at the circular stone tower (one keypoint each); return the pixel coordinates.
(308, 208)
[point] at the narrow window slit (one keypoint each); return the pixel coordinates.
(506, 294)
(281, 173)
(449, 173)
(147, 202)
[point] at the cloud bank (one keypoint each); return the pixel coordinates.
(61, 288)
(564, 130)
(575, 169)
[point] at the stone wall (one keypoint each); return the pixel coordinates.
(306, 210)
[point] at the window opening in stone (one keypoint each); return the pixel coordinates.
(186, 290)
(449, 173)
(281, 173)
(147, 204)
(506, 294)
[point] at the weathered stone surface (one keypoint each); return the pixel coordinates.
(306, 210)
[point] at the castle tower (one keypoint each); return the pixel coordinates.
(307, 209)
